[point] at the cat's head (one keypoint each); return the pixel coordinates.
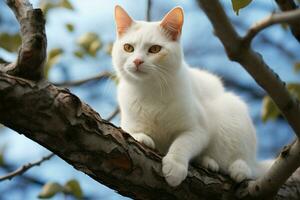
(147, 50)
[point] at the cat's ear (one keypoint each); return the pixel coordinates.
(172, 22)
(123, 20)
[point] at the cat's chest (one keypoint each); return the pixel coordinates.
(157, 119)
(150, 114)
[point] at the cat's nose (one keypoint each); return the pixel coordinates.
(138, 62)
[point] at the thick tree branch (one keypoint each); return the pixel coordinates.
(32, 53)
(25, 168)
(286, 5)
(93, 145)
(98, 148)
(289, 17)
(253, 62)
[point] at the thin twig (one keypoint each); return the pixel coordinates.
(102, 75)
(285, 17)
(26, 178)
(264, 39)
(113, 114)
(24, 168)
(148, 11)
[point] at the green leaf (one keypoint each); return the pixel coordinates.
(284, 26)
(2, 151)
(239, 4)
(53, 57)
(66, 4)
(1, 158)
(70, 27)
(269, 109)
(294, 89)
(114, 78)
(49, 190)
(87, 39)
(48, 5)
(10, 42)
(94, 47)
(73, 187)
(90, 43)
(297, 67)
(109, 48)
(78, 53)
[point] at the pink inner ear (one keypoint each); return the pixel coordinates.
(173, 22)
(123, 20)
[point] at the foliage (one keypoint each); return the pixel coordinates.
(48, 5)
(53, 57)
(1, 158)
(72, 187)
(89, 43)
(70, 27)
(270, 110)
(10, 42)
(297, 66)
(239, 4)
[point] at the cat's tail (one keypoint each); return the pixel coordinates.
(262, 167)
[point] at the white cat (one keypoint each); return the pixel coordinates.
(183, 112)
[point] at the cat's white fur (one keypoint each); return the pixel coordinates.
(183, 112)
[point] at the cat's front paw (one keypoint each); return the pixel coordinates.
(210, 164)
(173, 170)
(239, 171)
(144, 139)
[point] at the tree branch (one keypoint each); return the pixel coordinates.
(25, 168)
(289, 17)
(26, 178)
(32, 53)
(97, 147)
(98, 77)
(286, 5)
(264, 39)
(113, 114)
(148, 10)
(271, 83)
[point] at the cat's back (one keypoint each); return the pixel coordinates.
(205, 85)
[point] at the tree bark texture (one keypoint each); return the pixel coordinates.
(62, 123)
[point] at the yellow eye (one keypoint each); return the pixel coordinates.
(128, 48)
(154, 49)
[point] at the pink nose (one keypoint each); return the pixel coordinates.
(138, 62)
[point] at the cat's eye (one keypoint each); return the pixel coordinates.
(128, 48)
(154, 49)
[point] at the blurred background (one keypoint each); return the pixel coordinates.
(80, 35)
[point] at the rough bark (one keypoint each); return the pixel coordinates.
(59, 121)
(32, 53)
